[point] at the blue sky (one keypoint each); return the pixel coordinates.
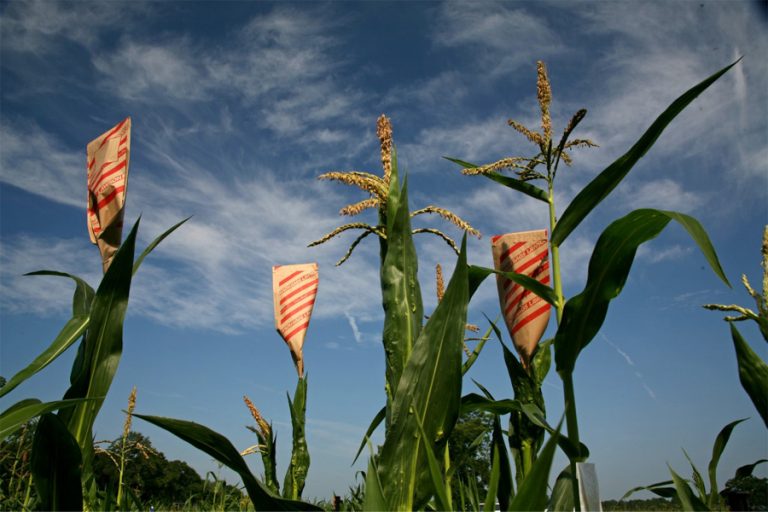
(238, 106)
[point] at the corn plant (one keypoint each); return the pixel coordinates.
(580, 317)
(62, 448)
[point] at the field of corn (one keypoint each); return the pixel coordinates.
(426, 353)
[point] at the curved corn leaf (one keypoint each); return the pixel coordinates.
(753, 374)
(371, 428)
(21, 412)
(478, 274)
(515, 184)
(374, 494)
(532, 494)
(155, 243)
(100, 352)
(717, 450)
(562, 492)
(430, 388)
(296, 475)
(698, 480)
(747, 469)
(688, 500)
(72, 330)
(55, 466)
(219, 447)
(659, 489)
(505, 488)
(599, 188)
(609, 266)
(401, 294)
(442, 494)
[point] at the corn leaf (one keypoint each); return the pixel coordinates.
(442, 494)
(21, 412)
(660, 489)
(532, 494)
(430, 388)
(609, 267)
(505, 488)
(296, 475)
(55, 466)
(155, 243)
(753, 374)
(401, 294)
(99, 354)
(599, 188)
(747, 469)
(688, 500)
(478, 274)
(219, 447)
(374, 495)
(515, 184)
(562, 492)
(717, 450)
(371, 429)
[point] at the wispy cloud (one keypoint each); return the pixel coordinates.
(631, 363)
(355, 329)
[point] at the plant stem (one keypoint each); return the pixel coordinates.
(569, 396)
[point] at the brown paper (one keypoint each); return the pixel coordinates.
(108, 157)
(525, 313)
(294, 288)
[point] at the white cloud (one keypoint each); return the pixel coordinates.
(36, 162)
(502, 38)
(662, 193)
(355, 329)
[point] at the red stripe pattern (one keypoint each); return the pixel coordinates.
(294, 290)
(526, 314)
(108, 158)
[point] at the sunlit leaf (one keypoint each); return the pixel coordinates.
(753, 374)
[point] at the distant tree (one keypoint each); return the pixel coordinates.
(746, 493)
(149, 476)
(15, 451)
(649, 504)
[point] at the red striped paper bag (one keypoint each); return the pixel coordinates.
(294, 288)
(525, 313)
(108, 157)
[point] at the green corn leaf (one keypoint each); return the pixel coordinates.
(438, 482)
(688, 500)
(659, 489)
(747, 469)
(542, 360)
(155, 243)
(476, 352)
(429, 387)
(505, 489)
(562, 492)
(717, 450)
(296, 475)
(55, 466)
(532, 494)
(21, 412)
(515, 184)
(753, 374)
(371, 429)
(599, 188)
(609, 267)
(698, 480)
(219, 447)
(478, 274)
(493, 482)
(101, 349)
(374, 495)
(72, 330)
(401, 294)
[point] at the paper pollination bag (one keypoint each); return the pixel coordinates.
(294, 288)
(108, 158)
(525, 314)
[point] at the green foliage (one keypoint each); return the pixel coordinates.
(295, 476)
(753, 374)
(16, 486)
(469, 448)
(55, 465)
(219, 447)
(746, 492)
